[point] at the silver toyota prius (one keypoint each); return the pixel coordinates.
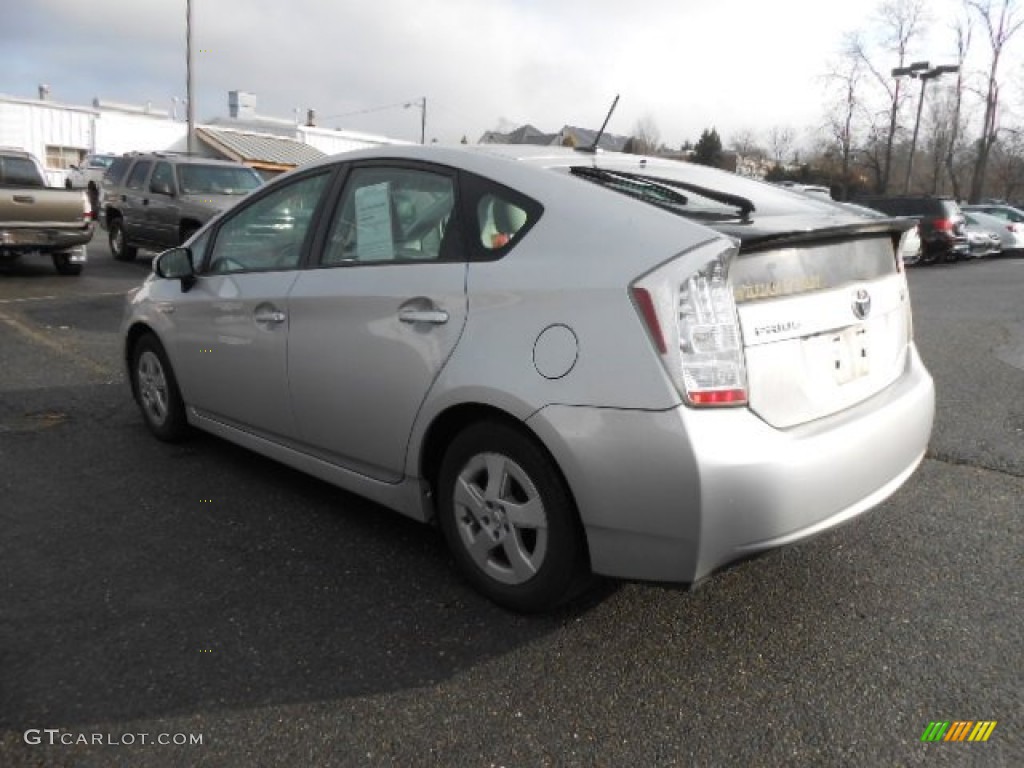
(574, 362)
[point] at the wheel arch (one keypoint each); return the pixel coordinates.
(451, 421)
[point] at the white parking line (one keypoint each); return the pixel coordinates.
(69, 296)
(53, 345)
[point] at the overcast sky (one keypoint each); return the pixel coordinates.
(481, 64)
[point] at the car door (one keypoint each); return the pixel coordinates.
(378, 314)
(162, 209)
(135, 199)
(231, 327)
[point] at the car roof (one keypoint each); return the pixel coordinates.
(173, 157)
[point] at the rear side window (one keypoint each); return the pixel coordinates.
(499, 220)
(137, 178)
(498, 217)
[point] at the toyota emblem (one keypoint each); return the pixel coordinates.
(861, 304)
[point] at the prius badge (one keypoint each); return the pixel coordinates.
(861, 304)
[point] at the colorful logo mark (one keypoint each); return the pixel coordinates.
(959, 730)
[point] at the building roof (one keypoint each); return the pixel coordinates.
(579, 137)
(584, 137)
(524, 134)
(259, 150)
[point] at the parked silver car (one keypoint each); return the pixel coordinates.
(1009, 233)
(573, 362)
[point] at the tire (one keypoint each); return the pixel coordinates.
(527, 565)
(119, 247)
(156, 390)
(62, 263)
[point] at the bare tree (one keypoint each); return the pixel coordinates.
(963, 31)
(747, 143)
(900, 23)
(844, 80)
(646, 137)
(1001, 21)
(1007, 166)
(780, 140)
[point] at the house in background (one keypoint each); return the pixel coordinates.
(61, 135)
(568, 136)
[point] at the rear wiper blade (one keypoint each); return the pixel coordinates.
(744, 205)
(638, 188)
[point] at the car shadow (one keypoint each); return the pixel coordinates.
(146, 579)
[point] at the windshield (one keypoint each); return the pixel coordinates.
(216, 179)
(100, 161)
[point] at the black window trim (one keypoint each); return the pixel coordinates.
(475, 187)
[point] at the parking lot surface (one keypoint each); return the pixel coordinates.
(157, 591)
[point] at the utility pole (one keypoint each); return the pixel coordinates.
(190, 101)
(422, 104)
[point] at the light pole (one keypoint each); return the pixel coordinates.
(190, 101)
(920, 70)
(422, 104)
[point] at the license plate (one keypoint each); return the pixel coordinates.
(845, 353)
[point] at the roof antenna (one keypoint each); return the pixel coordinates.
(592, 149)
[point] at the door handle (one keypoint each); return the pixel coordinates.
(433, 316)
(24, 199)
(270, 316)
(145, 201)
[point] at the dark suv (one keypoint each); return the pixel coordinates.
(942, 225)
(157, 200)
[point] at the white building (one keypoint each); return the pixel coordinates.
(60, 135)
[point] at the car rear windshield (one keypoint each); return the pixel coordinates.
(698, 192)
(19, 172)
(216, 180)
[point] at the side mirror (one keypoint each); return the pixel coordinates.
(73, 167)
(161, 188)
(176, 264)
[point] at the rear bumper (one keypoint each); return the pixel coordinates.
(673, 495)
(45, 240)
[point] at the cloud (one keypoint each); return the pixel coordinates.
(687, 64)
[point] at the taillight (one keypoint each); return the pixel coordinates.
(1012, 227)
(87, 212)
(688, 309)
(944, 225)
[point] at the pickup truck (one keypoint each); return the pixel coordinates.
(36, 219)
(88, 174)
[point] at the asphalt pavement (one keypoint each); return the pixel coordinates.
(167, 593)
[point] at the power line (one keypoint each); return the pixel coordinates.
(402, 104)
